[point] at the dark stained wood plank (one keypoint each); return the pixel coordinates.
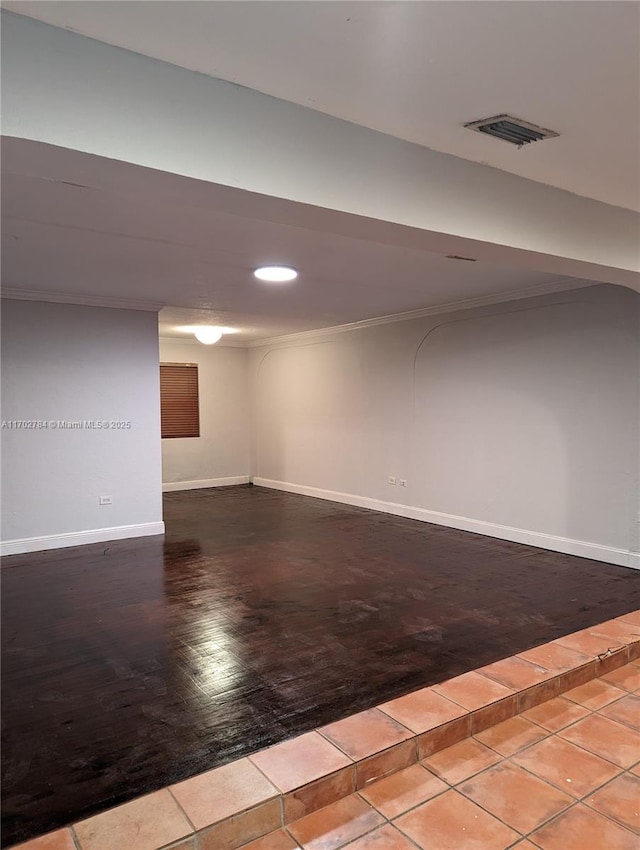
(134, 664)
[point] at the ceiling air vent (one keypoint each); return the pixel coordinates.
(511, 129)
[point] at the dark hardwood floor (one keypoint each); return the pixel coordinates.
(260, 615)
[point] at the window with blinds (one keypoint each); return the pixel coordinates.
(179, 405)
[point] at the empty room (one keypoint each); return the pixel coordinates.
(320, 425)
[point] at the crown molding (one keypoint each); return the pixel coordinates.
(80, 300)
(560, 285)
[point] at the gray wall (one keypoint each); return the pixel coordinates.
(72, 363)
(520, 417)
(519, 420)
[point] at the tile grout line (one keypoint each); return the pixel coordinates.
(428, 687)
(197, 833)
(259, 769)
(74, 837)
(177, 802)
(601, 788)
(455, 787)
(620, 687)
(354, 761)
(413, 741)
(285, 829)
(549, 821)
(177, 841)
(486, 770)
(584, 749)
(614, 720)
(408, 837)
(523, 835)
(522, 749)
(520, 835)
(574, 801)
(550, 731)
(581, 802)
(281, 801)
(417, 805)
(548, 781)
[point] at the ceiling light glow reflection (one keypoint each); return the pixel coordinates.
(275, 274)
(191, 329)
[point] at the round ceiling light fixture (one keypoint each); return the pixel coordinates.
(208, 335)
(275, 274)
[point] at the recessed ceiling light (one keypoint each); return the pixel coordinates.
(208, 335)
(276, 274)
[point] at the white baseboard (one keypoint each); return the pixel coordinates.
(566, 545)
(201, 483)
(79, 538)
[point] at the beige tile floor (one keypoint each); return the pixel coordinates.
(564, 775)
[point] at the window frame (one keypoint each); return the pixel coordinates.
(170, 403)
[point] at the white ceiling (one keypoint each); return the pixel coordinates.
(85, 228)
(418, 70)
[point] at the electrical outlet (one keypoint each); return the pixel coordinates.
(391, 479)
(402, 482)
(106, 500)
